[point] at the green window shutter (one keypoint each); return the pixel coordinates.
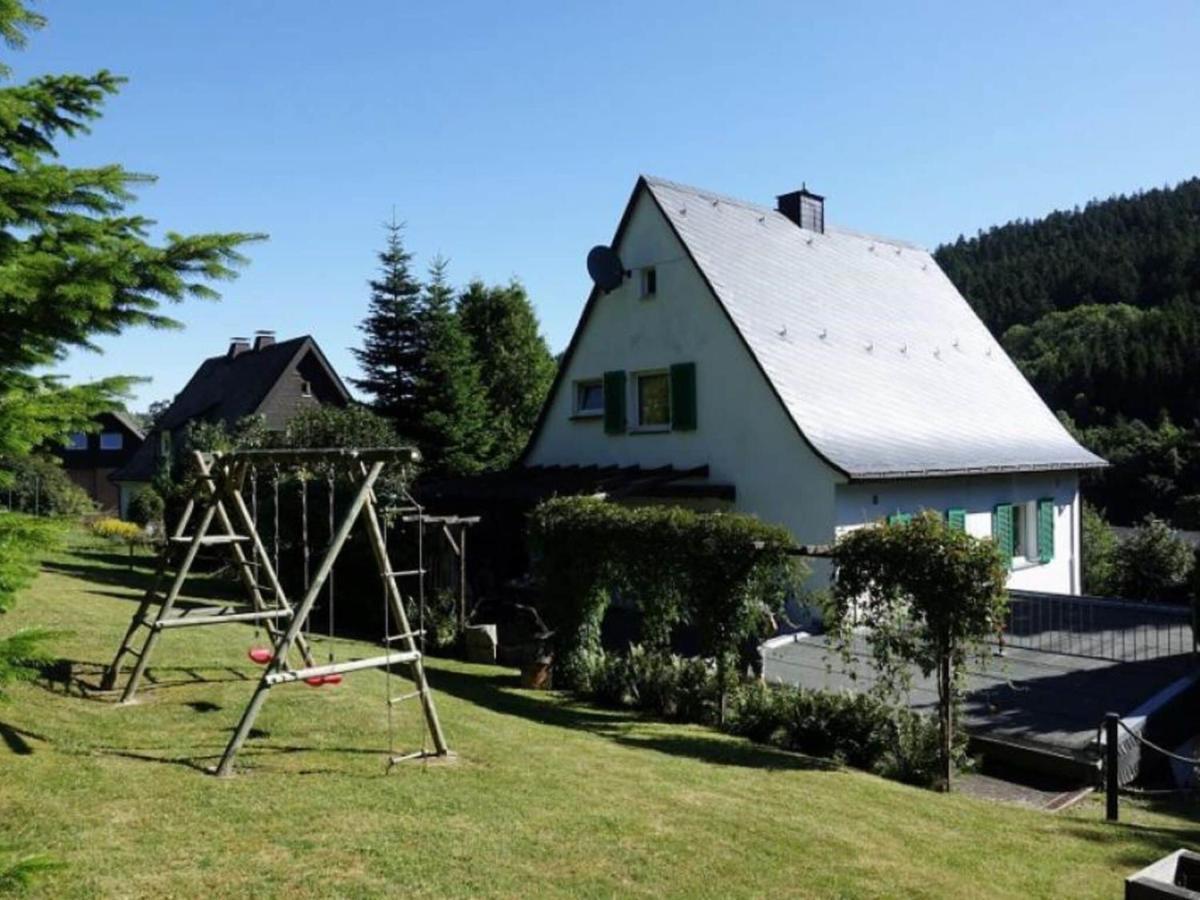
(1045, 530)
(683, 397)
(899, 518)
(614, 402)
(956, 519)
(1002, 530)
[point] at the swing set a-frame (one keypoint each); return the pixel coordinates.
(223, 519)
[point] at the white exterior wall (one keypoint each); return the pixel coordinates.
(861, 502)
(743, 433)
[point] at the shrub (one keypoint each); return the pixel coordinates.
(724, 574)
(146, 508)
(39, 485)
(117, 530)
(1153, 563)
(1099, 553)
(860, 730)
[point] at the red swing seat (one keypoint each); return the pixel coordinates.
(260, 655)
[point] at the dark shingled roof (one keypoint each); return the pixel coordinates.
(225, 389)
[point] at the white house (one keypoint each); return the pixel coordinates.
(828, 377)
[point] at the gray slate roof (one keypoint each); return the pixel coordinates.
(881, 363)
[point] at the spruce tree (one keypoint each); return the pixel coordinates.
(515, 363)
(454, 408)
(74, 263)
(393, 347)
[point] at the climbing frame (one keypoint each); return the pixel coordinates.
(222, 476)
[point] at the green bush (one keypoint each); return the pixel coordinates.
(146, 508)
(724, 574)
(39, 485)
(856, 729)
(663, 684)
(1099, 553)
(1153, 563)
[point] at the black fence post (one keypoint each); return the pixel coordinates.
(1111, 765)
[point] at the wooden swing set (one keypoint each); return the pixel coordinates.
(223, 519)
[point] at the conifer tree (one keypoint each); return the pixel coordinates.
(454, 408)
(393, 348)
(515, 363)
(74, 263)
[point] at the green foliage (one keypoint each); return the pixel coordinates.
(146, 508)
(1153, 563)
(38, 484)
(726, 575)
(516, 365)
(1100, 308)
(440, 621)
(857, 729)
(394, 348)
(927, 595)
(23, 541)
(117, 530)
(1099, 554)
(455, 420)
(660, 683)
(1142, 250)
(337, 426)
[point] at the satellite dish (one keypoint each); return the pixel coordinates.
(605, 267)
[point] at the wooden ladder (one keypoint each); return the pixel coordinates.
(276, 673)
(146, 626)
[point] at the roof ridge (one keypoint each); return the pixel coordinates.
(655, 181)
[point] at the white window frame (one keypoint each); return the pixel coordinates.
(77, 441)
(635, 400)
(120, 444)
(586, 412)
(305, 388)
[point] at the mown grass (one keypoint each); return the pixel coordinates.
(547, 797)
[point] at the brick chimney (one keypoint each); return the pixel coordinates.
(263, 339)
(804, 208)
(237, 346)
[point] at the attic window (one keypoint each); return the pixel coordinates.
(77, 440)
(649, 282)
(589, 397)
(112, 440)
(306, 388)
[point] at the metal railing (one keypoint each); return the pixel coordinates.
(1096, 627)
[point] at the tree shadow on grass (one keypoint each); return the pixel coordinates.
(499, 693)
(200, 584)
(15, 739)
(1156, 841)
(83, 678)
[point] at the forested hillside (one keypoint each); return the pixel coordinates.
(1100, 307)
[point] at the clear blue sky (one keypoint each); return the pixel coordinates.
(508, 135)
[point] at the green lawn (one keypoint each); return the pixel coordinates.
(547, 797)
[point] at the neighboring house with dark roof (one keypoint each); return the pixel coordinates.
(269, 378)
(89, 458)
(825, 379)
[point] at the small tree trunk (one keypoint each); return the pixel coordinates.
(947, 712)
(721, 663)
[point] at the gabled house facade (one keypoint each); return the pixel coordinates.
(90, 457)
(826, 378)
(267, 378)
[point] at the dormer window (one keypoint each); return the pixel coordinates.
(649, 282)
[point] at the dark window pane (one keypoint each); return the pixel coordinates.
(654, 400)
